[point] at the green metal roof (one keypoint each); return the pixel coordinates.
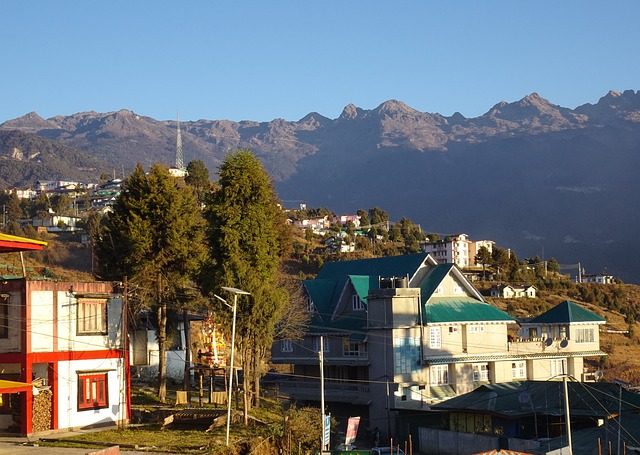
(321, 293)
(462, 309)
(362, 284)
(433, 279)
(514, 399)
(386, 267)
(565, 313)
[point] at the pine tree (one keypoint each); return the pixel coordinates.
(155, 237)
(247, 237)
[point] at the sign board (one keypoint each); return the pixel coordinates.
(352, 430)
(326, 430)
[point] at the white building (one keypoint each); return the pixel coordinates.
(68, 337)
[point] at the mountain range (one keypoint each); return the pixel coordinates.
(533, 176)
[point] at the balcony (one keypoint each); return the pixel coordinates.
(337, 391)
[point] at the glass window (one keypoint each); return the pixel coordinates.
(584, 335)
(439, 374)
(286, 346)
(435, 339)
(92, 391)
(480, 372)
(316, 344)
(92, 316)
(519, 370)
(357, 303)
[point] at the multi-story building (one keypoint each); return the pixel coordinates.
(67, 338)
(457, 249)
(402, 333)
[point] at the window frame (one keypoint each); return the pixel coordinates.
(90, 382)
(356, 303)
(480, 372)
(439, 375)
(435, 337)
(326, 344)
(286, 346)
(519, 369)
(91, 324)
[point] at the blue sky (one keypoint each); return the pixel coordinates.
(260, 60)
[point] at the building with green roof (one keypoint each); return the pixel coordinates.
(402, 333)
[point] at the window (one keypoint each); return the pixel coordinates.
(286, 346)
(92, 316)
(356, 303)
(556, 367)
(4, 315)
(352, 349)
(458, 290)
(435, 340)
(316, 344)
(533, 333)
(407, 355)
(584, 335)
(480, 372)
(476, 328)
(439, 375)
(309, 304)
(92, 391)
(519, 370)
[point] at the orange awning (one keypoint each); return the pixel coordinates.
(13, 244)
(13, 386)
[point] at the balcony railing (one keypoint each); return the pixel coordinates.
(348, 392)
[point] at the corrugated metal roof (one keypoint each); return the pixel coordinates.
(514, 399)
(386, 267)
(566, 312)
(433, 279)
(362, 284)
(462, 310)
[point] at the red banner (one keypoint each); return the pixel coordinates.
(352, 430)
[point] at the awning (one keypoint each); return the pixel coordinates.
(13, 244)
(14, 386)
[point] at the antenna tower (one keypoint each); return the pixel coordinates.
(179, 162)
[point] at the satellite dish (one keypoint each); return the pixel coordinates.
(524, 397)
(598, 374)
(564, 343)
(549, 341)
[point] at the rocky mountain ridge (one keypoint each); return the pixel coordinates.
(533, 176)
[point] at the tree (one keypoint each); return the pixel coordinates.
(61, 204)
(364, 218)
(41, 206)
(198, 177)
(154, 236)
(248, 236)
(483, 257)
(553, 266)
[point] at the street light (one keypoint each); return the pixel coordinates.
(235, 293)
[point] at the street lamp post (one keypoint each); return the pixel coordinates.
(235, 293)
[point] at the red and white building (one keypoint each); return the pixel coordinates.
(67, 337)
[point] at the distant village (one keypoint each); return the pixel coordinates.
(411, 346)
(457, 249)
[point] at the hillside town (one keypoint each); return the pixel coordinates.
(409, 343)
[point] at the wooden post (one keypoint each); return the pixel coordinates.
(200, 392)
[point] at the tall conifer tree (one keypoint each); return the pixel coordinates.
(155, 237)
(247, 237)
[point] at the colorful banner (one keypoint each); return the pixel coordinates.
(352, 430)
